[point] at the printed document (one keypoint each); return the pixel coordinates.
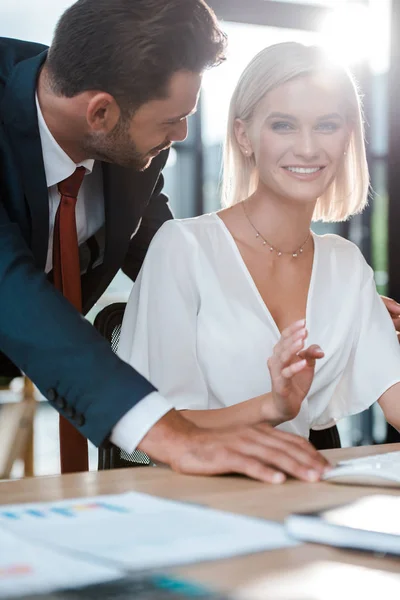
(137, 531)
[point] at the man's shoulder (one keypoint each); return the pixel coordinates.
(13, 51)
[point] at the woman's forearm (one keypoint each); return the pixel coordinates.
(251, 412)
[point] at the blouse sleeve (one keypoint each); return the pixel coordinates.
(374, 363)
(158, 336)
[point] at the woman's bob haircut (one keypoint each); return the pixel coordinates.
(272, 67)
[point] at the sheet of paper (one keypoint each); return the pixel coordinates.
(138, 531)
(28, 568)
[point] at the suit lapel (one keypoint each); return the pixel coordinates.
(19, 114)
(126, 196)
(120, 216)
(121, 211)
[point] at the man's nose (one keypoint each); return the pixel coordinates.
(179, 131)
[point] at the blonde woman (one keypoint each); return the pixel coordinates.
(246, 311)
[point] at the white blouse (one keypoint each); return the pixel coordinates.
(198, 329)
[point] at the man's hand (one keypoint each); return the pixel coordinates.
(260, 452)
(394, 311)
(292, 370)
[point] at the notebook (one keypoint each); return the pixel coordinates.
(370, 523)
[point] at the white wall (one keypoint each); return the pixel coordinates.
(32, 20)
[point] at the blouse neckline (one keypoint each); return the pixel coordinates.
(252, 284)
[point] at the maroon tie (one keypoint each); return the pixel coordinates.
(67, 279)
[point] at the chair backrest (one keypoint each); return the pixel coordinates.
(325, 439)
(108, 323)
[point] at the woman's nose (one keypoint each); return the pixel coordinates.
(307, 146)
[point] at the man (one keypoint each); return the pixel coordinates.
(85, 131)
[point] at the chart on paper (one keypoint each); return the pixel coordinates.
(138, 531)
(26, 567)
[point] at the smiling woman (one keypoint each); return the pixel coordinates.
(246, 311)
(308, 107)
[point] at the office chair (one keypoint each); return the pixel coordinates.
(17, 415)
(108, 323)
(325, 439)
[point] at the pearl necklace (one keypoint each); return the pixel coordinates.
(265, 242)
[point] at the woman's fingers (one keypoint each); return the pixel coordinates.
(288, 331)
(289, 357)
(313, 351)
(290, 343)
(311, 354)
(307, 357)
(293, 369)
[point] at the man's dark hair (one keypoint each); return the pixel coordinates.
(131, 48)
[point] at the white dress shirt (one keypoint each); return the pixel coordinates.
(197, 327)
(134, 425)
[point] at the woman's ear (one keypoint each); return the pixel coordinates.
(242, 138)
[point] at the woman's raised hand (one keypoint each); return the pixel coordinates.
(292, 370)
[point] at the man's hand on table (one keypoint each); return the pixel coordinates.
(260, 452)
(394, 311)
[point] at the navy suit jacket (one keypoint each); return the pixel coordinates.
(39, 330)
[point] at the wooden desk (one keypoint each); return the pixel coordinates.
(230, 493)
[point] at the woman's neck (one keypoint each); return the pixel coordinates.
(286, 225)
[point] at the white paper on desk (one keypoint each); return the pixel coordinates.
(27, 568)
(139, 531)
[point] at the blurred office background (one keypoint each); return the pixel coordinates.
(356, 32)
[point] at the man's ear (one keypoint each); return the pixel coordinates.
(242, 137)
(102, 112)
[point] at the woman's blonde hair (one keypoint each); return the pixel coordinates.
(272, 67)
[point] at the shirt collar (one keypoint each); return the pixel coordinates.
(57, 164)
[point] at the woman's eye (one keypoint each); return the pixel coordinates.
(282, 126)
(328, 126)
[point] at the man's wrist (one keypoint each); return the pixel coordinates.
(168, 437)
(134, 425)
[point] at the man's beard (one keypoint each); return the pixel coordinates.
(118, 148)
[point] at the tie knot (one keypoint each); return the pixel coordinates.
(70, 186)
